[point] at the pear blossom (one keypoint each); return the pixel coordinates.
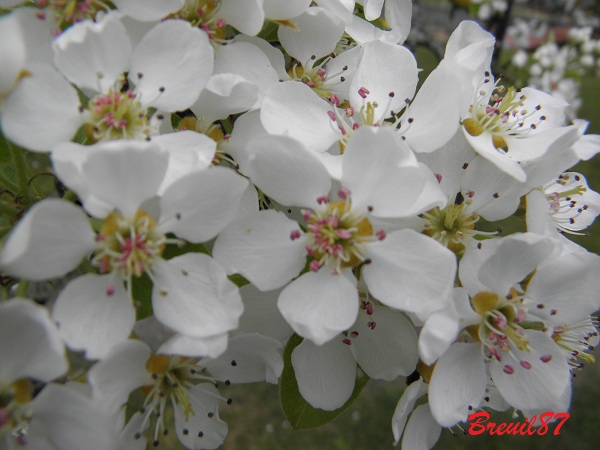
(382, 343)
(507, 329)
(509, 126)
(119, 108)
(416, 426)
(31, 351)
(340, 237)
(95, 312)
(381, 89)
(572, 205)
(188, 385)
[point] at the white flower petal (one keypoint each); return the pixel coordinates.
(441, 330)
(249, 204)
(273, 54)
(249, 358)
(307, 121)
(389, 72)
(94, 314)
(537, 145)
(93, 55)
(67, 160)
(410, 272)
(515, 257)
(541, 385)
(343, 9)
(175, 61)
(286, 171)
(245, 15)
(261, 314)
(30, 346)
(193, 296)
(199, 205)
(494, 194)
(405, 406)
(325, 373)
(386, 344)
(587, 146)
(458, 381)
(278, 10)
(12, 52)
(120, 372)
(180, 344)
(188, 151)
(363, 32)
(470, 46)
(450, 162)
(318, 33)
(129, 434)
(422, 430)
(39, 37)
(44, 102)
(399, 14)
(372, 9)
(152, 332)
(148, 10)
(471, 263)
(112, 178)
(382, 174)
(49, 241)
(250, 62)
(482, 144)
(245, 128)
(340, 72)
(223, 95)
(259, 247)
(434, 113)
(319, 305)
(71, 418)
(567, 287)
(538, 218)
(203, 429)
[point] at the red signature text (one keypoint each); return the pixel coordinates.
(479, 424)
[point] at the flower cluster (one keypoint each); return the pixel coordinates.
(557, 68)
(256, 190)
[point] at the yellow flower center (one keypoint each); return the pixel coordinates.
(502, 323)
(502, 115)
(204, 15)
(336, 236)
(115, 115)
(128, 246)
(67, 12)
(452, 226)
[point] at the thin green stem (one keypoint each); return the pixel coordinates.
(20, 163)
(22, 288)
(70, 196)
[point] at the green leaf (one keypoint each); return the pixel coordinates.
(238, 280)
(172, 251)
(297, 411)
(142, 293)
(4, 150)
(269, 32)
